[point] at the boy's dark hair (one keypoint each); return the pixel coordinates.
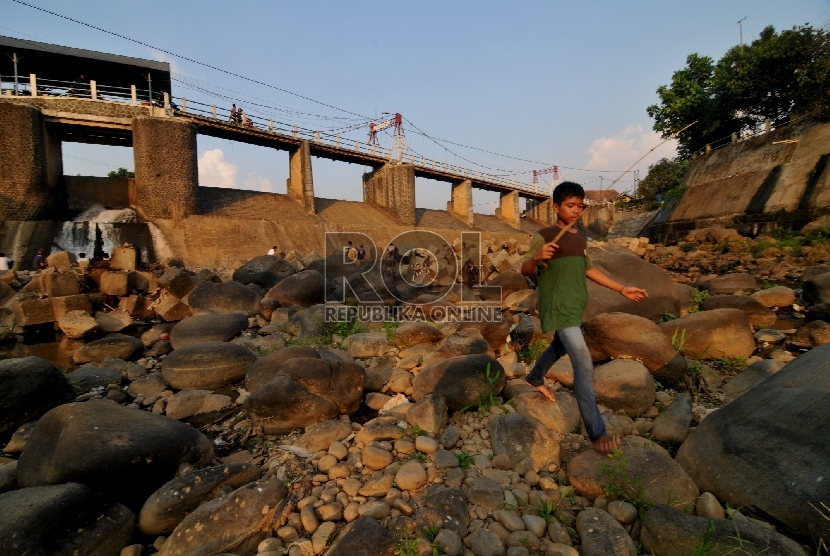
(82, 255)
(567, 189)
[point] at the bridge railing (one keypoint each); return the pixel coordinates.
(38, 86)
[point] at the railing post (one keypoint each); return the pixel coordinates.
(184, 105)
(166, 100)
(133, 96)
(213, 111)
(338, 141)
(767, 125)
(734, 138)
(708, 147)
(33, 84)
(316, 136)
(295, 131)
(93, 89)
(374, 149)
(270, 126)
(357, 146)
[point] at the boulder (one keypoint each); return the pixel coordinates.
(778, 296)
(176, 281)
(61, 259)
(238, 522)
(430, 414)
(366, 344)
(651, 475)
(614, 335)
(85, 379)
(814, 271)
(188, 403)
(208, 327)
(114, 321)
(319, 436)
(627, 268)
(115, 283)
(667, 531)
(812, 334)
(758, 315)
(728, 283)
(519, 437)
(29, 387)
(751, 377)
(77, 324)
(464, 342)
(144, 447)
(305, 289)
(817, 288)
(207, 366)
(414, 333)
(711, 334)
(602, 535)
(169, 505)
(561, 416)
(684, 294)
(364, 537)
(494, 333)
(509, 282)
(116, 346)
(60, 283)
(227, 297)
(463, 380)
(269, 366)
(63, 520)
(673, 424)
(170, 308)
(304, 392)
(624, 384)
(788, 411)
(266, 271)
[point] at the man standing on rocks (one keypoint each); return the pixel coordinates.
(558, 257)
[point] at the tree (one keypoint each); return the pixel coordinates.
(663, 176)
(775, 76)
(121, 173)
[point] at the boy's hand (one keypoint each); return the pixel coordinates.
(545, 254)
(634, 294)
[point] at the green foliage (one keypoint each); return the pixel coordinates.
(296, 342)
(679, 339)
(414, 431)
(773, 77)
(622, 486)
(487, 399)
(389, 327)
(531, 353)
(344, 329)
(666, 316)
(121, 173)
(547, 510)
(407, 544)
(663, 176)
(729, 363)
(431, 531)
(420, 457)
(687, 247)
(697, 298)
(465, 460)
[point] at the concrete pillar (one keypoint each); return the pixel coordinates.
(166, 167)
(508, 210)
(392, 186)
(300, 180)
(461, 205)
(30, 165)
(541, 210)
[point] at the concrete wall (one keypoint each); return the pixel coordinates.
(30, 168)
(84, 106)
(392, 186)
(82, 192)
(166, 172)
(779, 178)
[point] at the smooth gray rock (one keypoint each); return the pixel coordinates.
(116, 346)
(305, 289)
(601, 534)
(86, 378)
(461, 380)
(266, 271)
(673, 424)
(208, 327)
(519, 437)
(227, 297)
(364, 537)
(788, 411)
(207, 366)
(29, 387)
(269, 366)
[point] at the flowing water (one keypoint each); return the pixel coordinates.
(97, 231)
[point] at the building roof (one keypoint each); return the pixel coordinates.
(24, 44)
(601, 195)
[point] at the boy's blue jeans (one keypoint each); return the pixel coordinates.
(570, 341)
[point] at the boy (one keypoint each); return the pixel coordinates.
(563, 295)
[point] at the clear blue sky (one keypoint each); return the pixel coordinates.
(562, 83)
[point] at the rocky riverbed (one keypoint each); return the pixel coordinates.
(216, 412)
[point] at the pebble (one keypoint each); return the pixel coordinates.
(622, 511)
(309, 518)
(426, 444)
(375, 509)
(449, 543)
(444, 459)
(320, 538)
(411, 476)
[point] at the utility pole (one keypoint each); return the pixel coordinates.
(741, 28)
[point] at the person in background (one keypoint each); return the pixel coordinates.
(40, 260)
(5, 262)
(233, 113)
(272, 251)
(83, 262)
(361, 254)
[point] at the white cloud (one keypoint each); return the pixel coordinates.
(215, 171)
(255, 182)
(162, 57)
(620, 151)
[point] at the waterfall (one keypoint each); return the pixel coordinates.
(98, 230)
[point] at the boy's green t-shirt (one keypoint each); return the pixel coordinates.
(563, 288)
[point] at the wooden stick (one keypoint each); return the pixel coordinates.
(563, 231)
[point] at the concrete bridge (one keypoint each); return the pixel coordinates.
(164, 145)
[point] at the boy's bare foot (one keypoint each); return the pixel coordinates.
(544, 390)
(606, 444)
